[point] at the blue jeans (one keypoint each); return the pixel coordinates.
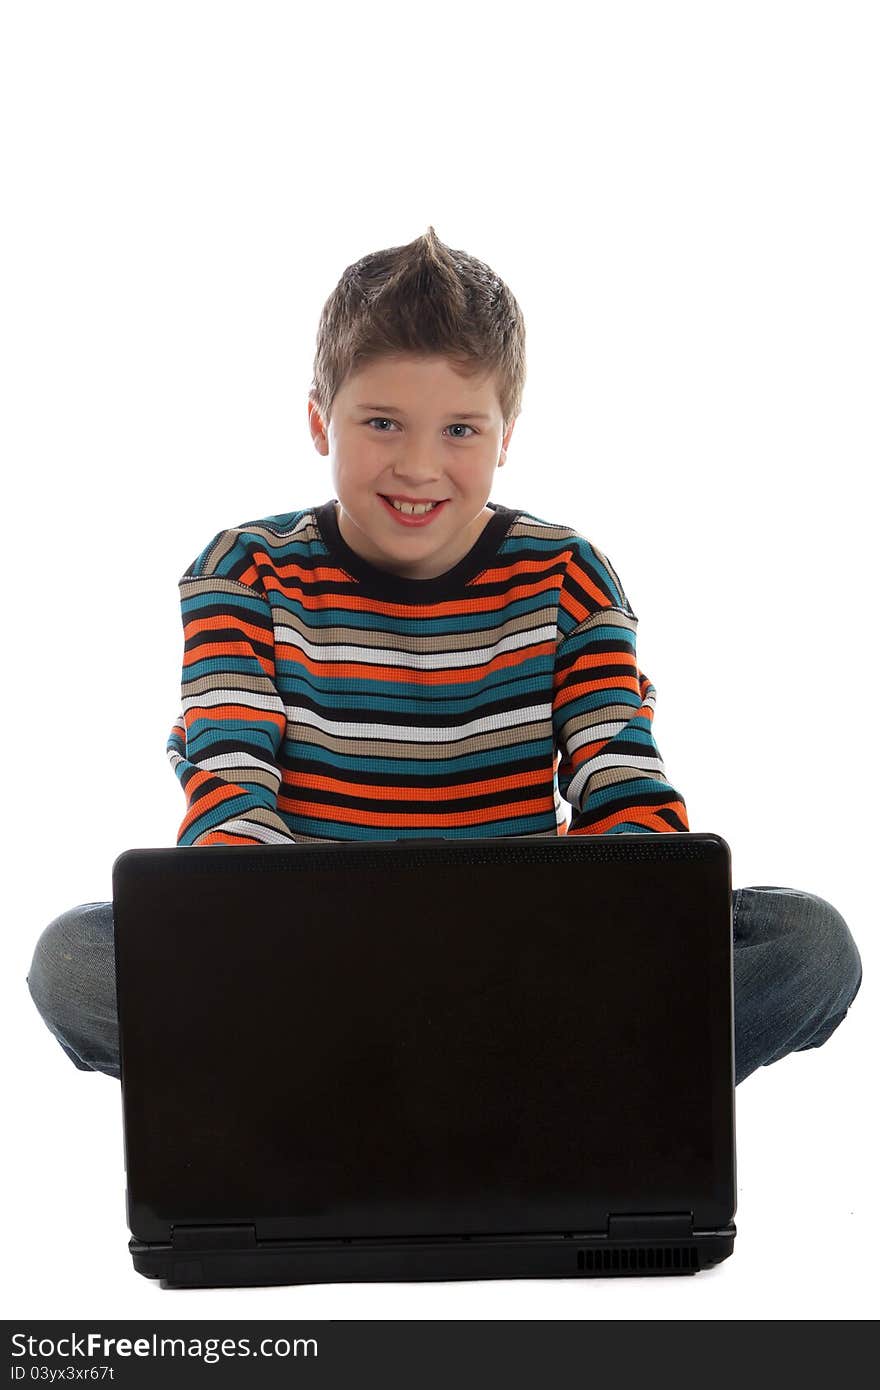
(796, 970)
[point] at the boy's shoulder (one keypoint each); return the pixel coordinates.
(230, 551)
(588, 571)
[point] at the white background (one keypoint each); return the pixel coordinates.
(684, 200)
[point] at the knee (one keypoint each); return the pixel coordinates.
(60, 970)
(829, 955)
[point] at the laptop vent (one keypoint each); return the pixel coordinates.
(637, 1258)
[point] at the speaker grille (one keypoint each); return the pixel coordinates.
(637, 1258)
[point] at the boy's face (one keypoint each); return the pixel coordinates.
(400, 428)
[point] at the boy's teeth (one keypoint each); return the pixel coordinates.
(417, 508)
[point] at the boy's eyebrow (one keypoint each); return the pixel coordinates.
(395, 410)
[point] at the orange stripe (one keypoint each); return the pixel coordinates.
(198, 805)
(223, 649)
(625, 658)
(353, 670)
(640, 815)
(587, 584)
(240, 713)
(356, 603)
(222, 837)
(339, 787)
(251, 575)
(429, 821)
(219, 620)
(572, 691)
(568, 680)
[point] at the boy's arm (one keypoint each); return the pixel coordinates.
(610, 768)
(225, 746)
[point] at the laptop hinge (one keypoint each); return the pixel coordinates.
(648, 1225)
(214, 1237)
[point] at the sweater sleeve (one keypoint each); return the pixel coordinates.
(609, 768)
(224, 747)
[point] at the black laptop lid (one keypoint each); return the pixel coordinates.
(391, 1039)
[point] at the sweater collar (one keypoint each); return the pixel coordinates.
(384, 584)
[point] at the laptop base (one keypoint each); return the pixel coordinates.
(465, 1257)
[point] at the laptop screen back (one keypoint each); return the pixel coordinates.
(382, 1039)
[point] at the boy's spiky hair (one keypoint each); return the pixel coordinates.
(423, 299)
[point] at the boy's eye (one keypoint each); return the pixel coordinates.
(382, 419)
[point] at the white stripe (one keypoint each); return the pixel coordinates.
(594, 732)
(238, 761)
(252, 828)
(415, 661)
(406, 733)
(253, 699)
(609, 760)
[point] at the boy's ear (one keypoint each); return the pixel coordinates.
(506, 440)
(316, 425)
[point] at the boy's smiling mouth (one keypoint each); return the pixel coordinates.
(417, 501)
(412, 513)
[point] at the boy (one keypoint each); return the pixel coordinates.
(410, 656)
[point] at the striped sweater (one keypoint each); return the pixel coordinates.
(326, 699)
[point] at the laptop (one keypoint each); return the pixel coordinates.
(427, 1059)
